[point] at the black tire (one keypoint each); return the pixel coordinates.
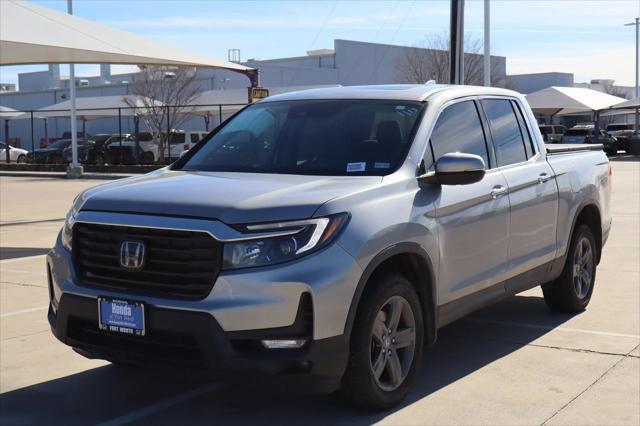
(22, 159)
(99, 160)
(567, 292)
(359, 384)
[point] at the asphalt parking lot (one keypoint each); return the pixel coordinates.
(512, 363)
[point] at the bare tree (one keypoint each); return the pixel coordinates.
(429, 60)
(165, 93)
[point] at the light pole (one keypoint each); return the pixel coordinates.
(637, 91)
(74, 170)
(456, 42)
(487, 43)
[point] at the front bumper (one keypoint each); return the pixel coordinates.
(196, 340)
(223, 331)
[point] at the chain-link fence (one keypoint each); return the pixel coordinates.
(124, 135)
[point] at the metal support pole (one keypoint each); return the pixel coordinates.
(6, 141)
(33, 140)
(637, 71)
(46, 131)
(136, 129)
(487, 43)
(207, 119)
(120, 134)
(84, 129)
(596, 126)
(637, 88)
(74, 170)
(456, 43)
(254, 81)
(168, 134)
(219, 114)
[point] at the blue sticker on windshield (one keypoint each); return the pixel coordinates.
(356, 167)
(381, 165)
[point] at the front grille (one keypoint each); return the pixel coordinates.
(177, 264)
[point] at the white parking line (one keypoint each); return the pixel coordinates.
(16, 259)
(544, 327)
(161, 405)
(24, 311)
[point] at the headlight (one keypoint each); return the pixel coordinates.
(291, 240)
(67, 228)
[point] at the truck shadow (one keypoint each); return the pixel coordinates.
(108, 392)
(17, 252)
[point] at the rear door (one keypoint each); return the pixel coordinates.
(533, 194)
(472, 220)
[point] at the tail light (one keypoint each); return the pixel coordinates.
(186, 147)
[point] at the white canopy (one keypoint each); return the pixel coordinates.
(7, 113)
(568, 100)
(95, 107)
(31, 34)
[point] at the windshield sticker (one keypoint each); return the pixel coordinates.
(356, 167)
(381, 165)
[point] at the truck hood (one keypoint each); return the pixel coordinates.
(233, 198)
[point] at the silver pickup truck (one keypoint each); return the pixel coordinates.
(329, 234)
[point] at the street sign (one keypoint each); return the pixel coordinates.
(257, 93)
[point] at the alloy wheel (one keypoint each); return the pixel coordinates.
(582, 267)
(393, 340)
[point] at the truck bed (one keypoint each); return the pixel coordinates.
(573, 147)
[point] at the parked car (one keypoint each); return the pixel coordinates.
(124, 153)
(54, 152)
(182, 141)
(552, 133)
(585, 134)
(16, 155)
(622, 132)
(89, 152)
(149, 147)
(67, 135)
(329, 234)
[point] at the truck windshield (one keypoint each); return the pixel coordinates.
(322, 137)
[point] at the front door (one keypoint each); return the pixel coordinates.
(472, 220)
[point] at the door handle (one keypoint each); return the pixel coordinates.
(543, 177)
(498, 190)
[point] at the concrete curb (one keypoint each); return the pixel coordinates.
(63, 175)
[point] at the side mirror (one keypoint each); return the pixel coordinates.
(183, 153)
(456, 169)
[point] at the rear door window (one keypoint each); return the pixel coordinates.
(505, 131)
(459, 129)
(524, 130)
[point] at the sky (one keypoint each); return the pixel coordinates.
(586, 38)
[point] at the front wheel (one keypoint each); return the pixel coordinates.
(571, 292)
(22, 159)
(386, 344)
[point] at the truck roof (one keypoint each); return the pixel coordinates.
(405, 92)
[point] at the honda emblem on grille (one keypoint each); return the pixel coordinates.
(132, 254)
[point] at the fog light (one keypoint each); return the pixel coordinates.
(283, 344)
